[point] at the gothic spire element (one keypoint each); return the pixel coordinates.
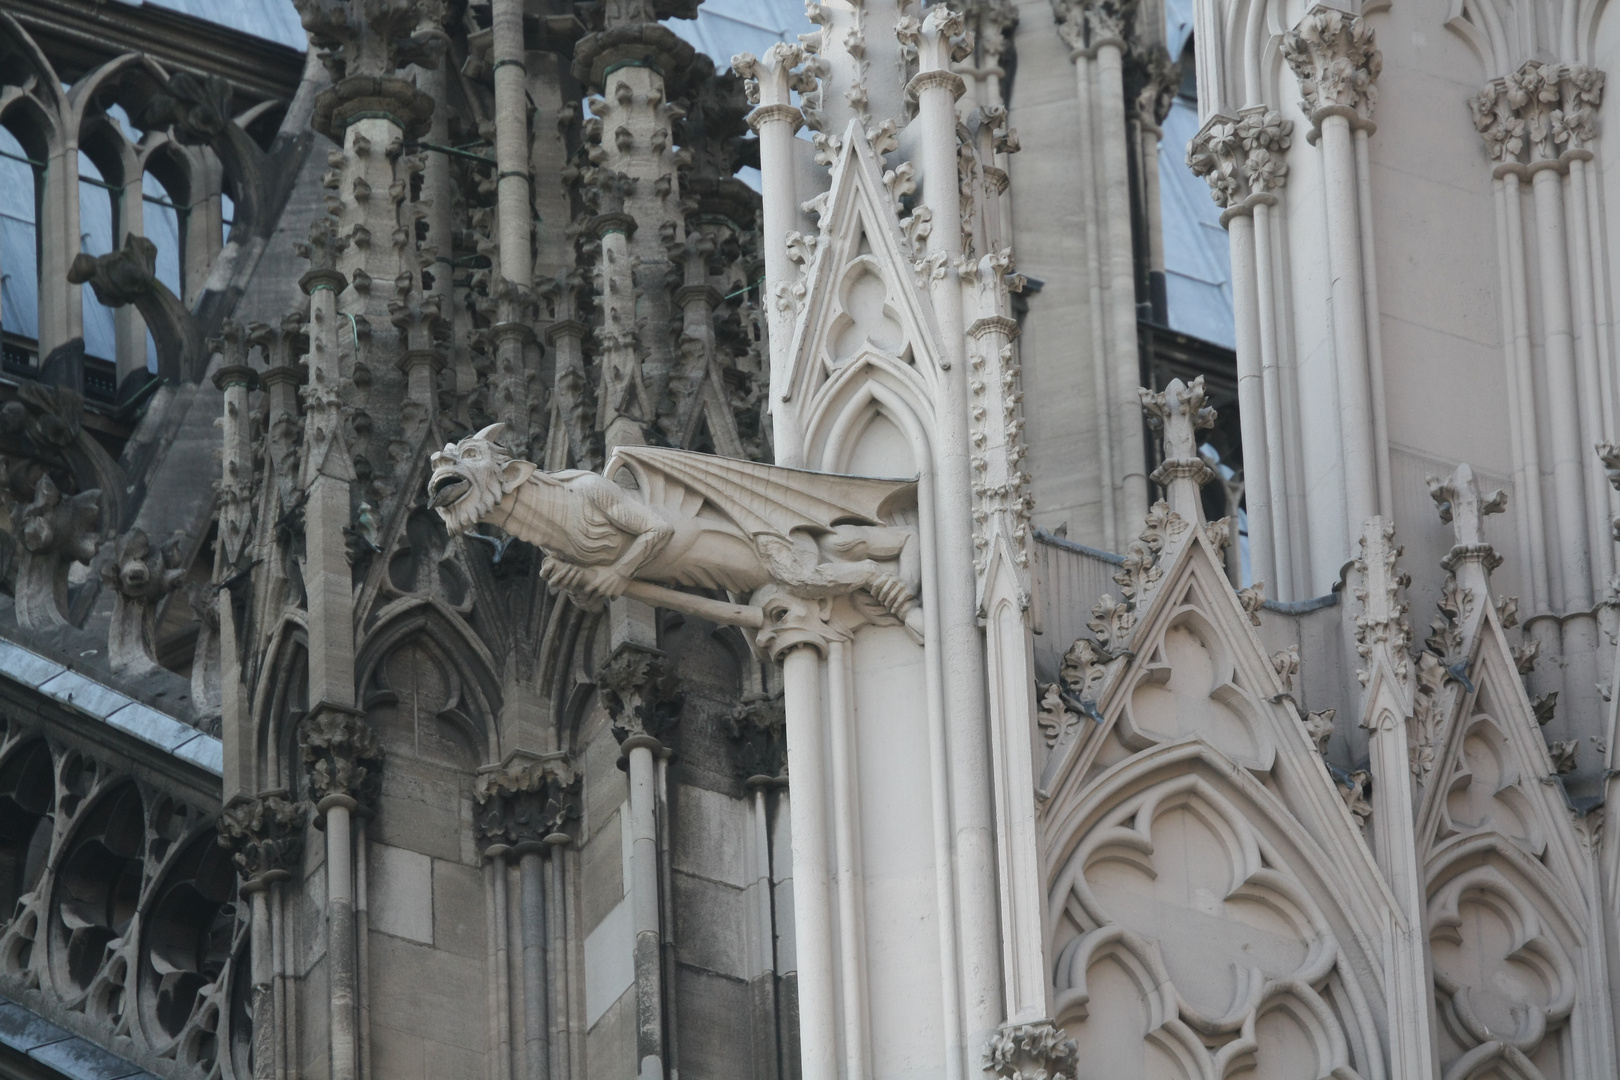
(342, 757)
(1036, 1051)
(1383, 633)
(642, 694)
(141, 574)
(1337, 63)
(265, 836)
(363, 46)
(1464, 508)
(1180, 413)
(1241, 157)
(527, 802)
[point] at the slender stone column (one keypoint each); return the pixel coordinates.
(266, 836)
(1241, 158)
(1333, 55)
(511, 142)
(797, 635)
(343, 760)
(524, 807)
(642, 696)
(969, 924)
(770, 80)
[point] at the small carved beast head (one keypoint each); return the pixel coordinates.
(470, 477)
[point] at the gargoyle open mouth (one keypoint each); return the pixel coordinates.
(447, 489)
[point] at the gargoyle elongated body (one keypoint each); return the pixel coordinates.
(692, 519)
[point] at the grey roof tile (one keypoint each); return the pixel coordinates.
(205, 750)
(22, 1029)
(147, 723)
(27, 667)
(82, 1059)
(86, 694)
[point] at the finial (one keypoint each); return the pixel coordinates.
(1179, 412)
(1464, 508)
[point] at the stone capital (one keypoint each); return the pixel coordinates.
(641, 692)
(1337, 62)
(265, 835)
(758, 734)
(341, 755)
(1541, 114)
(1241, 156)
(526, 802)
(1039, 1050)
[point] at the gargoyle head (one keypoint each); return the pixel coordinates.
(470, 477)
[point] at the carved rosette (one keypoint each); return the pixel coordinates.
(1337, 63)
(1542, 112)
(265, 837)
(1241, 157)
(530, 802)
(642, 694)
(342, 757)
(1035, 1051)
(758, 734)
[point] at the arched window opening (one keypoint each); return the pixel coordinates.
(27, 811)
(19, 254)
(97, 219)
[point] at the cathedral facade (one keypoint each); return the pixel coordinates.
(1022, 539)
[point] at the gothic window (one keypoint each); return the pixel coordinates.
(98, 886)
(19, 249)
(27, 811)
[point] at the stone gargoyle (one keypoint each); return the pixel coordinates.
(693, 520)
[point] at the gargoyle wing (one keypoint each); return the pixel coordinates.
(760, 498)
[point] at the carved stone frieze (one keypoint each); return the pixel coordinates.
(1334, 55)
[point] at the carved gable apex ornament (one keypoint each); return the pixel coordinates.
(860, 304)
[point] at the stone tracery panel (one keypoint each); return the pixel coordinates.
(1193, 950)
(123, 923)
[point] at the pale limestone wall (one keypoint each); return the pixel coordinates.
(1049, 237)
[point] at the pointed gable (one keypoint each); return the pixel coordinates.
(859, 302)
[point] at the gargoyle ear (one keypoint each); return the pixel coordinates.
(495, 433)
